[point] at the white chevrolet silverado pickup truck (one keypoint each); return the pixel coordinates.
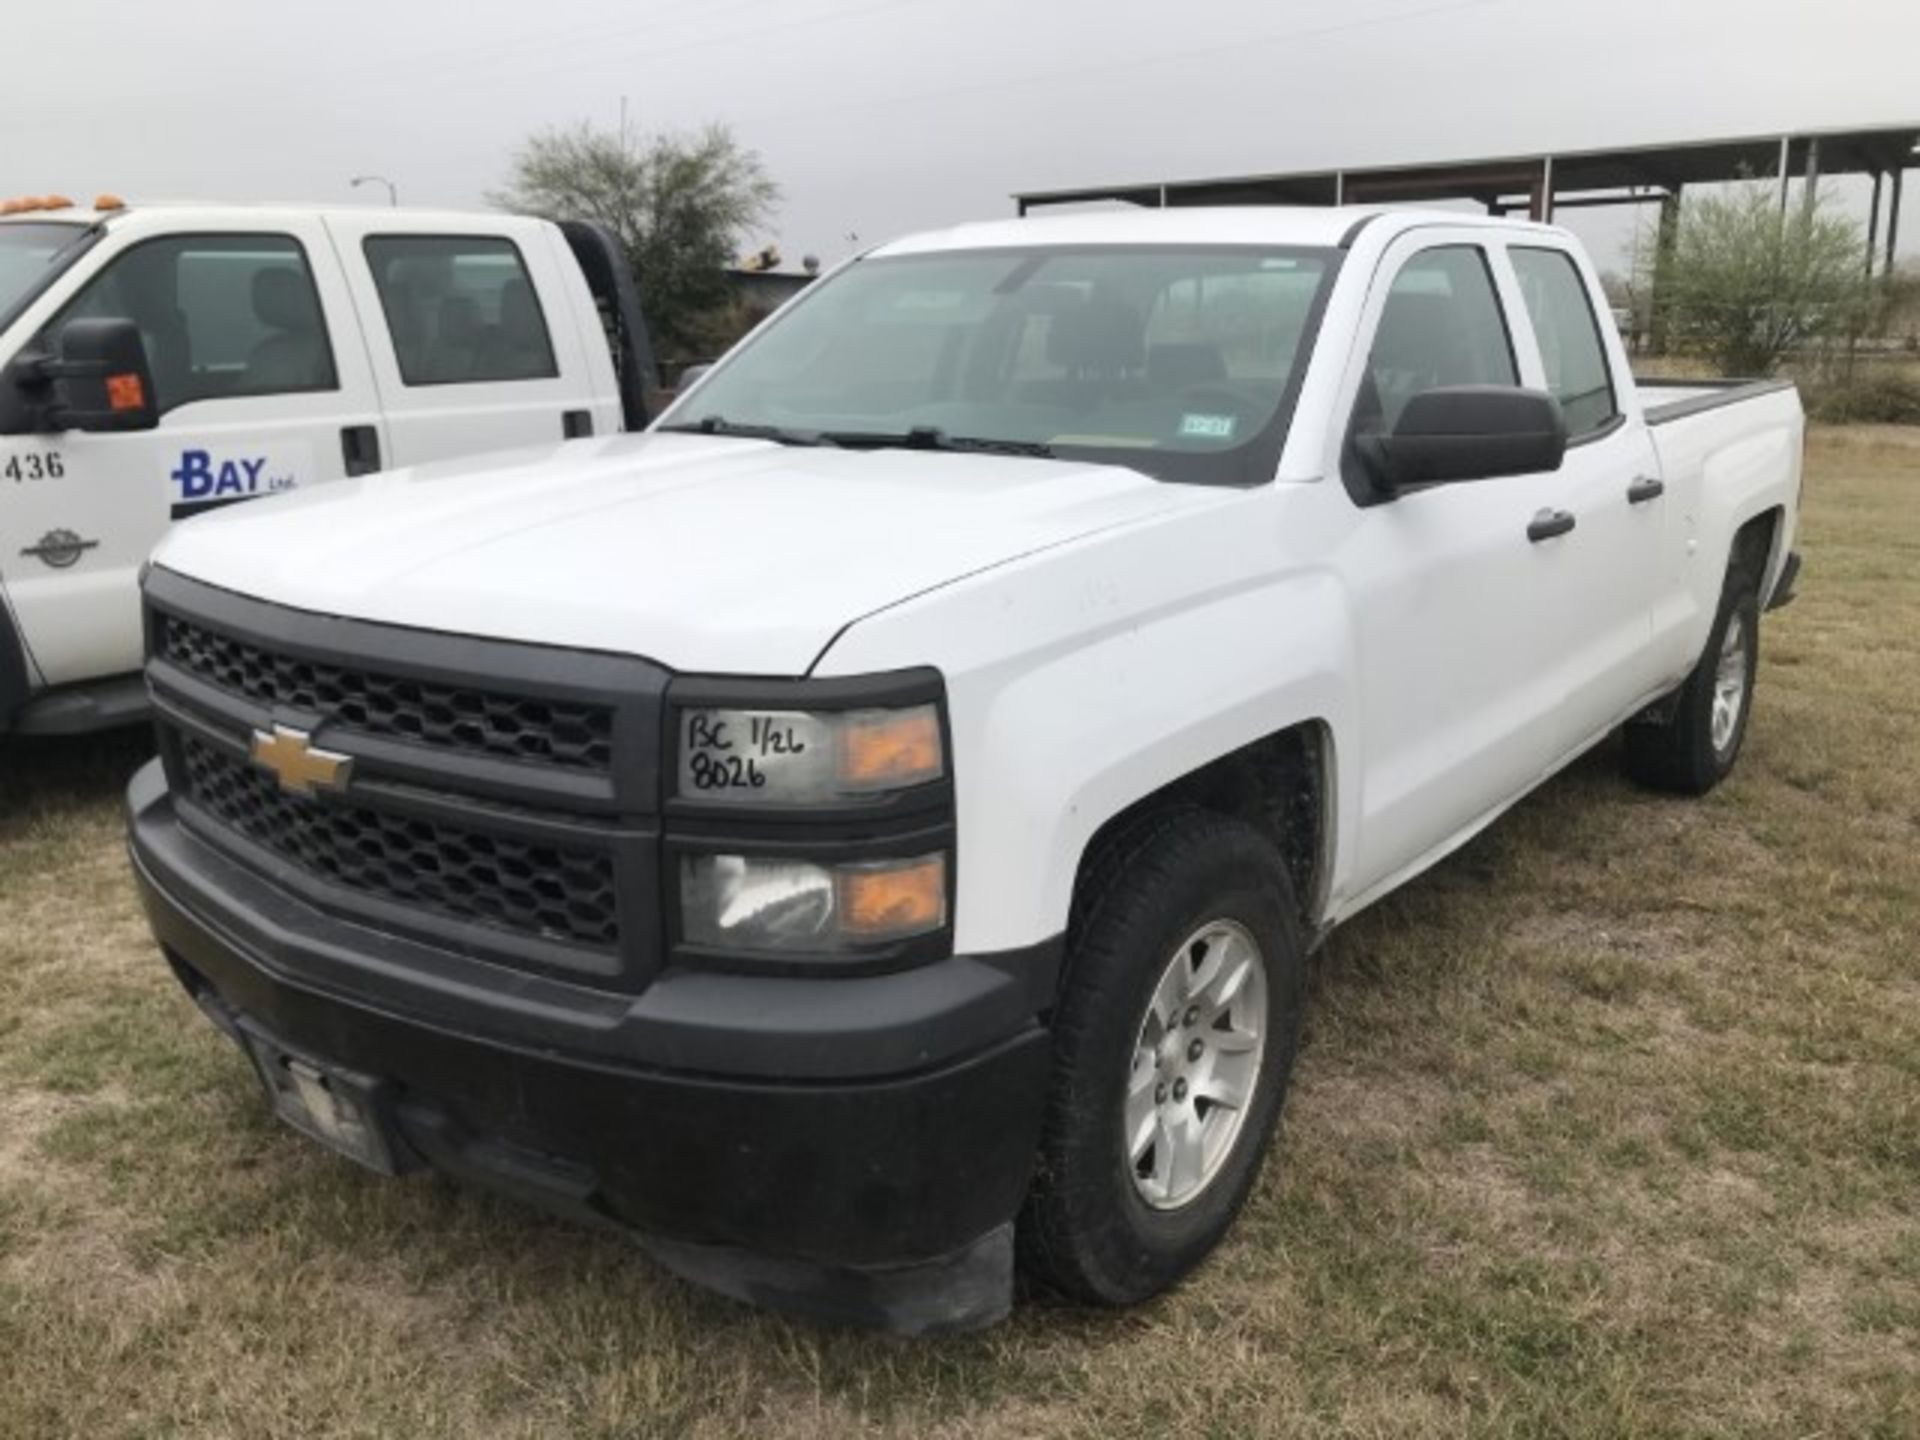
(870, 828)
(257, 349)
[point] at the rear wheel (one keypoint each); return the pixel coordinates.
(1174, 1042)
(1695, 747)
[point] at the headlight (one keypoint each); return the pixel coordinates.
(740, 902)
(798, 757)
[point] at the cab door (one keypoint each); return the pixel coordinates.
(1451, 583)
(471, 342)
(262, 386)
(1608, 567)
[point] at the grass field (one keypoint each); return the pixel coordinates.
(1609, 1126)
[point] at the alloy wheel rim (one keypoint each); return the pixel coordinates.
(1729, 685)
(1196, 1064)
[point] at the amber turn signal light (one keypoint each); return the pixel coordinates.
(883, 902)
(890, 749)
(125, 392)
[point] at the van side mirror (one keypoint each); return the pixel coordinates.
(691, 376)
(1468, 432)
(99, 381)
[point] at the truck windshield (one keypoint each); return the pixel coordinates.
(31, 254)
(1181, 362)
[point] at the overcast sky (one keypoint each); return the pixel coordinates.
(882, 116)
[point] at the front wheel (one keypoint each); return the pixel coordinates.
(1694, 749)
(1174, 1042)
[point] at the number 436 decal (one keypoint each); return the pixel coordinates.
(34, 465)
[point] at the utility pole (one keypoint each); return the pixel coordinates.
(1666, 241)
(393, 193)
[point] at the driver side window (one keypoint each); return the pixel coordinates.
(221, 316)
(1442, 325)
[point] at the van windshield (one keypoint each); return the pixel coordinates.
(1181, 362)
(30, 256)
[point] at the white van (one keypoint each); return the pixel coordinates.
(284, 347)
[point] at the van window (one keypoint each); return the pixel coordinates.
(460, 309)
(1571, 349)
(222, 316)
(1441, 325)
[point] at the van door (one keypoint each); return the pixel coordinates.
(479, 353)
(262, 385)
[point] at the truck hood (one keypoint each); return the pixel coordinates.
(703, 553)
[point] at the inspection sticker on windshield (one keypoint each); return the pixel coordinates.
(1207, 427)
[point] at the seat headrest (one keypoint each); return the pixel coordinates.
(1102, 336)
(428, 275)
(282, 300)
(520, 314)
(1417, 334)
(459, 320)
(1185, 364)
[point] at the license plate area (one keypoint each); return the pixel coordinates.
(342, 1110)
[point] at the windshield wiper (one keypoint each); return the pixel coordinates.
(743, 430)
(931, 437)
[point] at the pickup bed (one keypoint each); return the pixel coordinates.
(869, 829)
(273, 348)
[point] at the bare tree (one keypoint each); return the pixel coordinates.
(681, 206)
(1746, 285)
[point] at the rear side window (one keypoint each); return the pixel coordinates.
(460, 308)
(1441, 325)
(221, 316)
(1571, 349)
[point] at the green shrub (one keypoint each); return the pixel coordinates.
(1873, 399)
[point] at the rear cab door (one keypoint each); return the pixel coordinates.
(482, 335)
(1608, 568)
(262, 385)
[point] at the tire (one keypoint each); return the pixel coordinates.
(1695, 748)
(1164, 895)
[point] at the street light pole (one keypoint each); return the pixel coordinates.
(393, 194)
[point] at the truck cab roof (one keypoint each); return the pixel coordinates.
(1321, 227)
(188, 214)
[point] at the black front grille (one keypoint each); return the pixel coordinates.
(500, 724)
(533, 888)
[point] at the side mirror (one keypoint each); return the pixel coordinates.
(100, 379)
(691, 376)
(1468, 432)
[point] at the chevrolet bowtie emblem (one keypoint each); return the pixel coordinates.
(300, 769)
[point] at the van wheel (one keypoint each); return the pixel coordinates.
(1173, 1044)
(1695, 748)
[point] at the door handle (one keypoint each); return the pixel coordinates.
(576, 424)
(360, 449)
(1549, 523)
(1645, 488)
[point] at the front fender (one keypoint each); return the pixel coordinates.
(1085, 680)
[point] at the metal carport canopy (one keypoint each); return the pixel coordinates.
(1538, 183)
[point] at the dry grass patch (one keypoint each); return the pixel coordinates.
(1609, 1126)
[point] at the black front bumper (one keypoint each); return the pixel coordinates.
(853, 1147)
